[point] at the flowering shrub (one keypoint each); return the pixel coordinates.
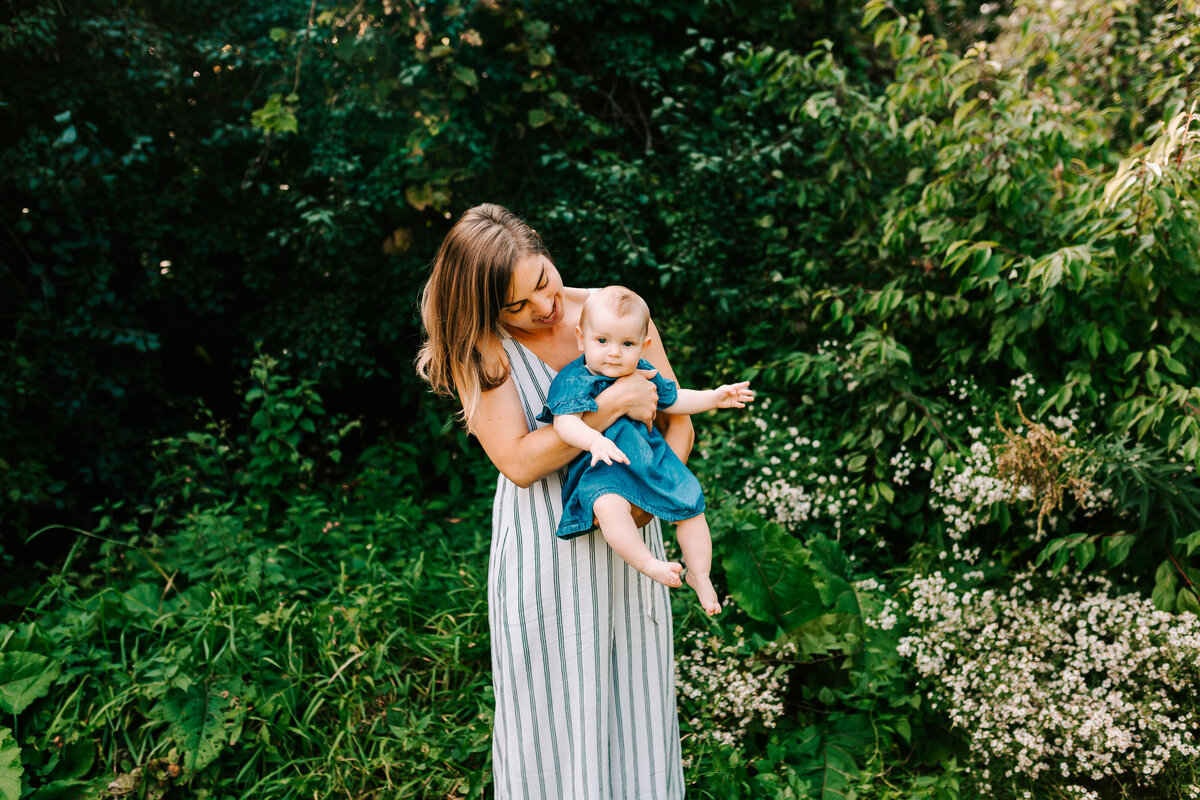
(798, 480)
(726, 688)
(1029, 464)
(1060, 687)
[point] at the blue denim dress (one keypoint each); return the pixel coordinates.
(654, 479)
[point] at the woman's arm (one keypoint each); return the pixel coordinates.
(526, 456)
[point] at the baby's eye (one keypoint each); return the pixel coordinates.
(627, 343)
(602, 339)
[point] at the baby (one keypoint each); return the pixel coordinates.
(628, 465)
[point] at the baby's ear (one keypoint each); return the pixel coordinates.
(647, 342)
(579, 337)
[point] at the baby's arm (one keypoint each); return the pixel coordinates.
(693, 401)
(574, 431)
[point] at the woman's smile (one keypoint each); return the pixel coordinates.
(555, 315)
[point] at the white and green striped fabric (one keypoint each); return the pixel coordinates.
(582, 655)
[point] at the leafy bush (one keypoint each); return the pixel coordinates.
(335, 644)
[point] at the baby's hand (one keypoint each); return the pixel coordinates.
(604, 450)
(733, 395)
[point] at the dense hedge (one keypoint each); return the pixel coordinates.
(186, 183)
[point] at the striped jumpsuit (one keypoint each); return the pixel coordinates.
(582, 654)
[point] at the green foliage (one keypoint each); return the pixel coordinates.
(865, 211)
(10, 766)
(24, 677)
(769, 576)
(338, 645)
(185, 182)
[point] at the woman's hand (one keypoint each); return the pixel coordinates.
(636, 396)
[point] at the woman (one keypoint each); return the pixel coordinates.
(582, 656)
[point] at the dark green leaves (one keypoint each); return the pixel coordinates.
(198, 719)
(833, 751)
(770, 577)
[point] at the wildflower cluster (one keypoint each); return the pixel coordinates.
(727, 687)
(888, 615)
(1074, 685)
(842, 357)
(964, 488)
(796, 484)
(904, 463)
(966, 492)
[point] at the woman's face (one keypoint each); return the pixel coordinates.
(535, 296)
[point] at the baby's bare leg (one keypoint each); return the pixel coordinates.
(615, 516)
(696, 544)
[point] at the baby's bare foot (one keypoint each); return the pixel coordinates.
(665, 572)
(704, 591)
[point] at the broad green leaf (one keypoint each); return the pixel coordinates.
(66, 790)
(830, 566)
(1164, 592)
(965, 110)
(1117, 547)
(10, 766)
(770, 577)
(466, 75)
(1186, 599)
(197, 718)
(77, 760)
(1085, 552)
(275, 117)
(831, 755)
(143, 599)
(24, 677)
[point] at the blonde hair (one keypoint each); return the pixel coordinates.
(619, 300)
(461, 302)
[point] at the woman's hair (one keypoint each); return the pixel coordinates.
(621, 302)
(460, 305)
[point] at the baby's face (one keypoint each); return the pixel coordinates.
(612, 344)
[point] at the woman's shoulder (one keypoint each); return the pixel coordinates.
(492, 356)
(575, 298)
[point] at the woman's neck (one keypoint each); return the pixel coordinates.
(546, 336)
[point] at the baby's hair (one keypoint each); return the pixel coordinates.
(619, 300)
